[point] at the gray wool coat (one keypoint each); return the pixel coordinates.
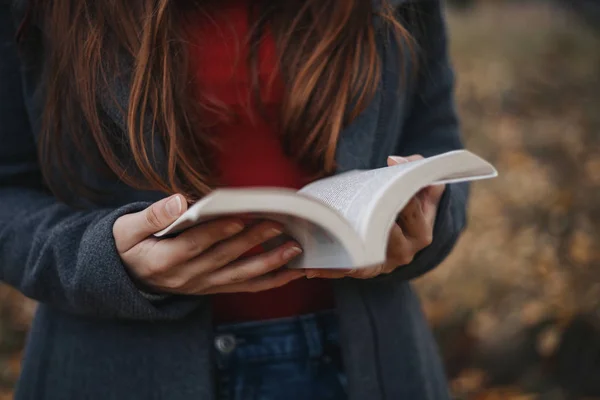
(96, 337)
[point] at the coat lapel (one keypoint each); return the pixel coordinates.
(355, 144)
(115, 105)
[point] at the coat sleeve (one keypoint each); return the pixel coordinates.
(431, 127)
(52, 253)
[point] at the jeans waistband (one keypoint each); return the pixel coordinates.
(306, 336)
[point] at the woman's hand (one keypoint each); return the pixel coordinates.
(411, 234)
(204, 259)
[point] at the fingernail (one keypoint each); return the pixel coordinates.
(272, 233)
(232, 229)
(311, 275)
(398, 159)
(292, 252)
(173, 206)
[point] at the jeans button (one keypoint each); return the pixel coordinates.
(225, 343)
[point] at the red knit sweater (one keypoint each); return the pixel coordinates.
(251, 152)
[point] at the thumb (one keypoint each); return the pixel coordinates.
(395, 160)
(131, 229)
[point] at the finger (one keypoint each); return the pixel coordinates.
(394, 160)
(196, 240)
(359, 273)
(254, 267)
(412, 220)
(429, 213)
(367, 273)
(401, 250)
(436, 191)
(415, 157)
(270, 281)
(430, 201)
(178, 281)
(230, 250)
(432, 195)
(131, 229)
(328, 273)
(391, 265)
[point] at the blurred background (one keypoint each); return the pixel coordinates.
(516, 307)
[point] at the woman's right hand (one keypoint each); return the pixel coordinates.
(204, 259)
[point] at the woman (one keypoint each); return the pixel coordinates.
(108, 107)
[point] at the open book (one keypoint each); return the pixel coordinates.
(341, 221)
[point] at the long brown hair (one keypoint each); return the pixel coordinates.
(327, 55)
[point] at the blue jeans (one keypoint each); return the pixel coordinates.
(294, 358)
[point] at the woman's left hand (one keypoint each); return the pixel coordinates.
(411, 234)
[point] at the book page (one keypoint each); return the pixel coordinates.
(352, 192)
(356, 193)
